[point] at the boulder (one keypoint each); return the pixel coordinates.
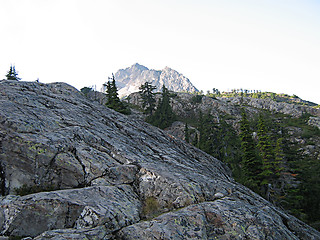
(111, 206)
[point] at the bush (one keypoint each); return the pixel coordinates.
(196, 99)
(150, 208)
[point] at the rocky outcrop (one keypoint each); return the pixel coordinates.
(314, 121)
(114, 176)
(110, 206)
(294, 110)
(187, 105)
(130, 79)
(226, 218)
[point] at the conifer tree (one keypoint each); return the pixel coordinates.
(113, 100)
(250, 162)
(206, 129)
(265, 152)
(12, 74)
(164, 116)
(147, 95)
(279, 157)
(186, 133)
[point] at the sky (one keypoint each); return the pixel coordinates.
(267, 45)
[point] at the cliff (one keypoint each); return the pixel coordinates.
(88, 172)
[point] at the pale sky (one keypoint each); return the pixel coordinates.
(268, 45)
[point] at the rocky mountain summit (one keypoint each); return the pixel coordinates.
(130, 79)
(87, 172)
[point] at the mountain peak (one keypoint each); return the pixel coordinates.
(168, 68)
(130, 79)
(139, 66)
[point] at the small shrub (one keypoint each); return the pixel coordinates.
(86, 90)
(150, 208)
(196, 99)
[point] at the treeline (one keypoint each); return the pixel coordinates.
(240, 92)
(259, 94)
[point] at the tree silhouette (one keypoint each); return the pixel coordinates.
(163, 117)
(113, 100)
(12, 74)
(250, 161)
(147, 95)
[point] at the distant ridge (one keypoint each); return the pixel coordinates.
(129, 80)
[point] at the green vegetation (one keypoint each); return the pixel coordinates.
(262, 95)
(150, 208)
(251, 164)
(196, 99)
(113, 100)
(12, 74)
(186, 133)
(86, 90)
(163, 116)
(147, 95)
(263, 156)
(265, 151)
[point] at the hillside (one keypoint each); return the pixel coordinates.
(129, 80)
(87, 172)
(292, 132)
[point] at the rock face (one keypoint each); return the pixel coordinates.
(184, 104)
(314, 121)
(130, 79)
(294, 110)
(111, 171)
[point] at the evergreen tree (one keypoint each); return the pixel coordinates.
(12, 74)
(86, 90)
(113, 100)
(163, 117)
(147, 95)
(279, 157)
(265, 152)
(207, 140)
(228, 147)
(250, 162)
(186, 133)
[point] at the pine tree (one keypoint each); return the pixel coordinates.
(113, 100)
(12, 74)
(164, 116)
(186, 133)
(147, 95)
(206, 128)
(250, 162)
(86, 90)
(279, 157)
(265, 152)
